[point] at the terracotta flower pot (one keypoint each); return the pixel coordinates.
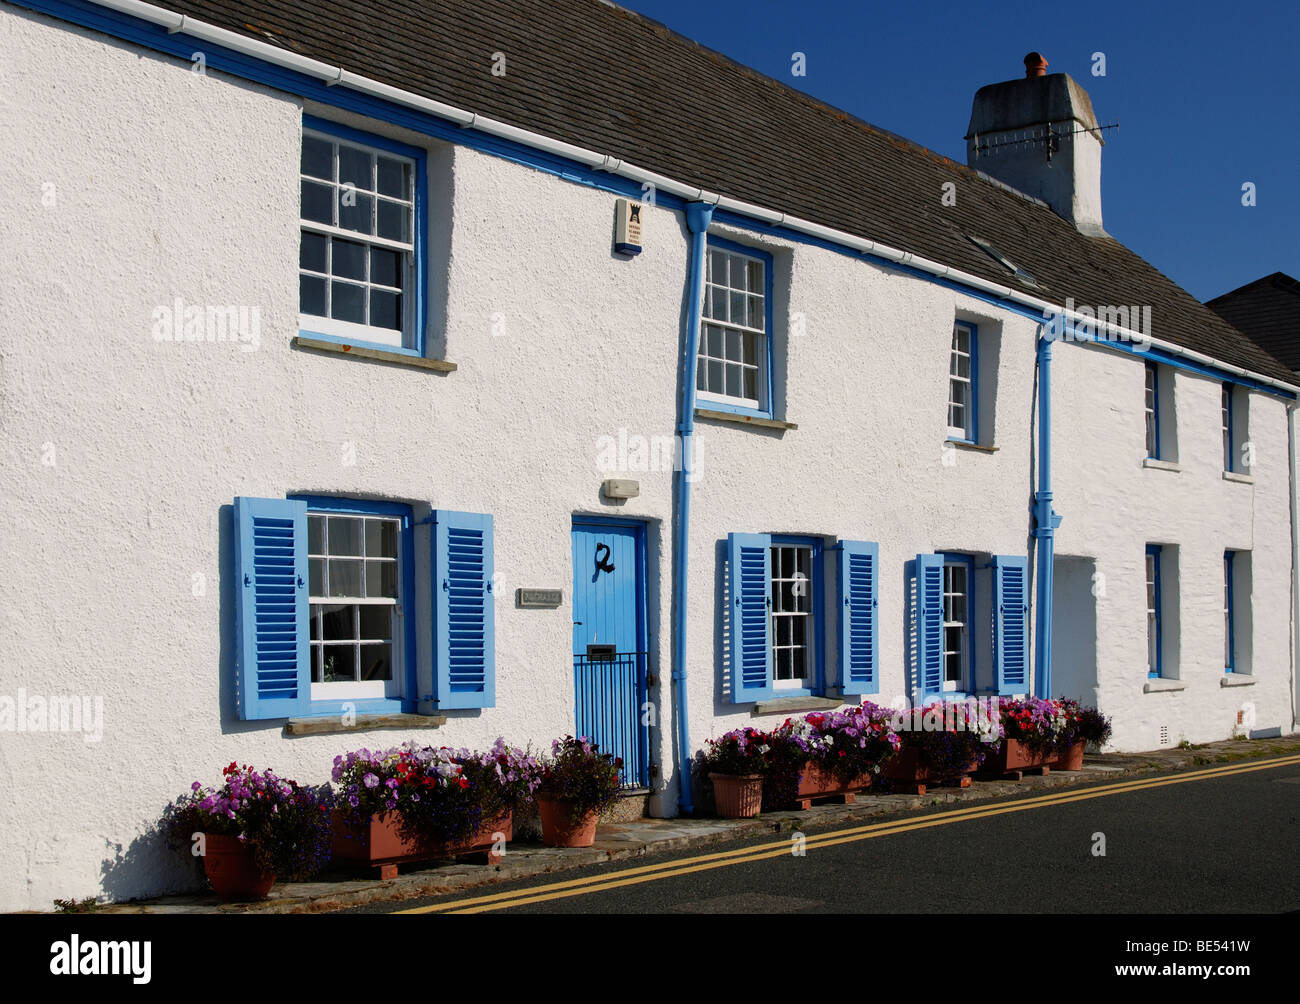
(232, 870)
(815, 785)
(737, 796)
(558, 827)
(1014, 758)
(813, 782)
(912, 777)
(1071, 758)
(907, 770)
(378, 841)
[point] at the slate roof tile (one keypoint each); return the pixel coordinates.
(611, 80)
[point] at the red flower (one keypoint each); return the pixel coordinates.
(464, 782)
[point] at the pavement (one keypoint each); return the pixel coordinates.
(631, 839)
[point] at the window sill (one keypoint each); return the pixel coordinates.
(966, 444)
(1157, 685)
(737, 418)
(1241, 479)
(373, 354)
(1160, 465)
(1236, 680)
(362, 723)
(784, 704)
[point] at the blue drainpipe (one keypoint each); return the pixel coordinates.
(1045, 518)
(698, 217)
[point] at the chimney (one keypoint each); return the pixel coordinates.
(1039, 135)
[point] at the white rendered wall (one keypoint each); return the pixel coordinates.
(172, 184)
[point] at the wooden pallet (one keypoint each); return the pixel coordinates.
(1019, 775)
(385, 870)
(827, 798)
(920, 787)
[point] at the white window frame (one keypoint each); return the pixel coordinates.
(760, 335)
(956, 382)
(357, 689)
(1155, 629)
(811, 598)
(349, 330)
(950, 621)
(1225, 410)
(1151, 409)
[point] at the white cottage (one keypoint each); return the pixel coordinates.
(517, 370)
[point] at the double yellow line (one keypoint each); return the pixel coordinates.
(782, 848)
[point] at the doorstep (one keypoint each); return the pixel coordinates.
(635, 838)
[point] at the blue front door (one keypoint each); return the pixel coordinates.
(609, 644)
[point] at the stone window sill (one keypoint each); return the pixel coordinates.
(736, 419)
(1236, 680)
(1161, 685)
(962, 444)
(1241, 479)
(786, 704)
(327, 724)
(373, 354)
(1160, 465)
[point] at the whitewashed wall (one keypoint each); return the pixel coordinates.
(121, 454)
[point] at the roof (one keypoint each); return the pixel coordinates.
(1268, 310)
(613, 81)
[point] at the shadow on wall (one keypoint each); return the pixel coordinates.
(1074, 628)
(148, 866)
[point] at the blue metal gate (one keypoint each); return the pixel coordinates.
(610, 662)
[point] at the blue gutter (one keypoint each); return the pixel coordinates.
(1045, 520)
(698, 217)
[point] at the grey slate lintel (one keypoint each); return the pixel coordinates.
(375, 355)
(796, 704)
(734, 419)
(363, 723)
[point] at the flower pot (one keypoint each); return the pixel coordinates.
(737, 796)
(912, 777)
(378, 841)
(232, 869)
(558, 827)
(1071, 758)
(816, 785)
(907, 772)
(1013, 758)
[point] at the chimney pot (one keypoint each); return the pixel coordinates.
(1035, 65)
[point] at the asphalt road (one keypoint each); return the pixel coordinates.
(1225, 844)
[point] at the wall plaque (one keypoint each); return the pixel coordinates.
(543, 598)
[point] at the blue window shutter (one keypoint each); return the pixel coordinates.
(463, 618)
(929, 624)
(749, 560)
(1011, 622)
(859, 578)
(273, 674)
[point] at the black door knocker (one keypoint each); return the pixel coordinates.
(602, 560)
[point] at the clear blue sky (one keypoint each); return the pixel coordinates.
(1207, 96)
